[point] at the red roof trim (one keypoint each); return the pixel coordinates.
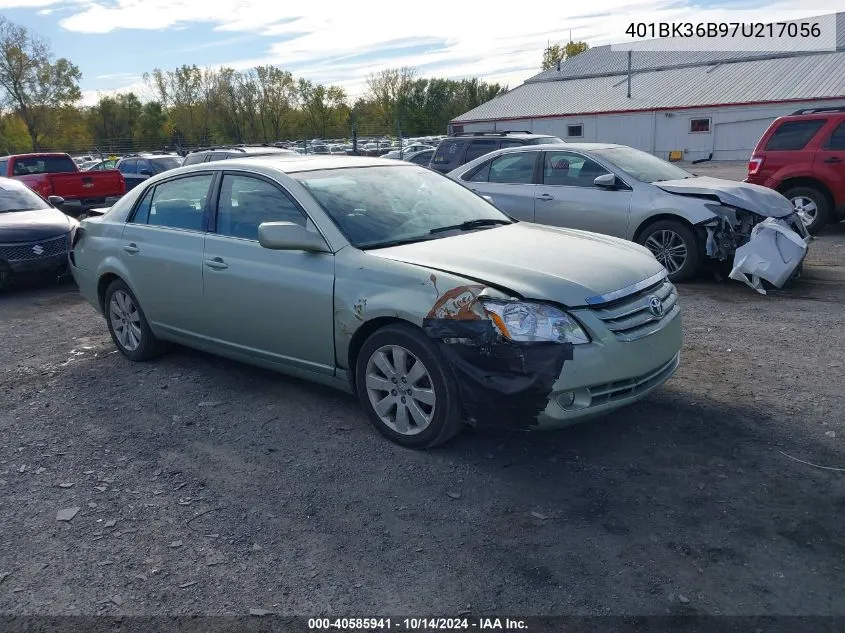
(661, 109)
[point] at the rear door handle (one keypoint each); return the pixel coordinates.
(131, 248)
(545, 196)
(216, 263)
(833, 159)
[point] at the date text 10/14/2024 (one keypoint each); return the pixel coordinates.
(416, 624)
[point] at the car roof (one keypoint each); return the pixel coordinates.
(504, 134)
(292, 163)
(584, 147)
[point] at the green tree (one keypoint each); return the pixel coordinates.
(14, 137)
(34, 85)
(152, 124)
(555, 53)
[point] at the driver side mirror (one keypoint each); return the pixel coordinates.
(606, 181)
(56, 201)
(287, 236)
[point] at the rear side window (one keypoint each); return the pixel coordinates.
(479, 147)
(508, 169)
(179, 204)
(836, 140)
(794, 135)
(447, 152)
(193, 159)
(509, 142)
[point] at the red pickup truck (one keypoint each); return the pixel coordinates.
(54, 174)
(803, 157)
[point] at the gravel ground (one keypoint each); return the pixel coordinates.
(202, 486)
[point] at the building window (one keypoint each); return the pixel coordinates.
(699, 125)
(575, 131)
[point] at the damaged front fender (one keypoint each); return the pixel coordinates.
(500, 383)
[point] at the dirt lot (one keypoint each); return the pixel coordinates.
(206, 486)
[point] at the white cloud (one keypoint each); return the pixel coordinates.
(324, 39)
(26, 4)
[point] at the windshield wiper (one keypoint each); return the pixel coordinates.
(389, 243)
(469, 225)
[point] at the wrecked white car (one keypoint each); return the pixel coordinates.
(685, 220)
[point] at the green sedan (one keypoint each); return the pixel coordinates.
(386, 280)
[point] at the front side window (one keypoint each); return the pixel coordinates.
(570, 170)
(794, 135)
(246, 202)
(179, 204)
(837, 138)
(380, 206)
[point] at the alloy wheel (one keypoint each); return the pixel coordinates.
(668, 248)
(125, 320)
(400, 390)
(806, 209)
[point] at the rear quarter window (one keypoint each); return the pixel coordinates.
(448, 152)
(794, 135)
(44, 165)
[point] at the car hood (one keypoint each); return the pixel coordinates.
(535, 261)
(742, 195)
(28, 226)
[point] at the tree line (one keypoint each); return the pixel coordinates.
(192, 106)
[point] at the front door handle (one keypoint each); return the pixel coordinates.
(131, 248)
(833, 159)
(216, 263)
(545, 197)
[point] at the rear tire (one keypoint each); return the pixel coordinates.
(811, 205)
(407, 388)
(127, 324)
(675, 246)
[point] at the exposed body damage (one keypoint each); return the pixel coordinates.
(500, 382)
(736, 214)
(773, 253)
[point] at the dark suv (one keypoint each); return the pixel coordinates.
(454, 151)
(208, 154)
(803, 157)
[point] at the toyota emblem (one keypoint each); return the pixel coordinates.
(38, 249)
(655, 306)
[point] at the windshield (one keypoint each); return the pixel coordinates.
(15, 196)
(163, 164)
(642, 166)
(379, 206)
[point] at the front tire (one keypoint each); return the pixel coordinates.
(812, 207)
(407, 389)
(127, 324)
(675, 246)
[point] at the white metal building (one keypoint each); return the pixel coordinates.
(698, 103)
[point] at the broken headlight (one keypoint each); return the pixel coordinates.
(525, 322)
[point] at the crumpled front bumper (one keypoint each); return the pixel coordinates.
(774, 253)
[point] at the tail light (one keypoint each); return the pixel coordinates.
(754, 165)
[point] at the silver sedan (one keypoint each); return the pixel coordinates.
(683, 219)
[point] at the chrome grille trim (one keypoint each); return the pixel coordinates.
(611, 391)
(22, 251)
(632, 319)
(628, 290)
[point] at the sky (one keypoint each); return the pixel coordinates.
(341, 42)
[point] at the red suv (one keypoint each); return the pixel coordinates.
(803, 157)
